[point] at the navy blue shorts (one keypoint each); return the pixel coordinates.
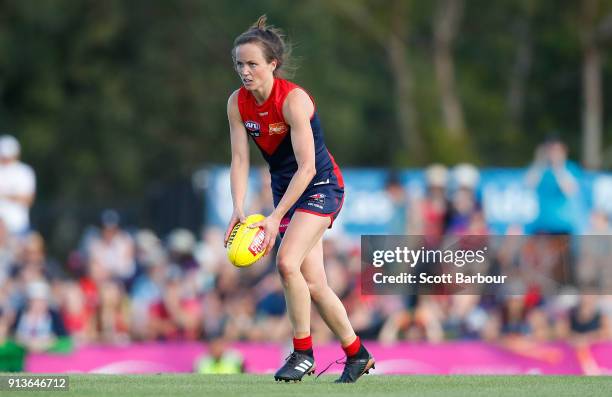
(322, 198)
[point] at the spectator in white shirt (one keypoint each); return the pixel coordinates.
(114, 248)
(17, 187)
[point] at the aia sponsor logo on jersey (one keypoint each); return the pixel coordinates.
(277, 128)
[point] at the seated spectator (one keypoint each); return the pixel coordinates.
(181, 244)
(270, 322)
(210, 252)
(585, 323)
(33, 254)
(404, 323)
(595, 250)
(431, 213)
(177, 315)
(114, 248)
(6, 316)
(240, 324)
(518, 316)
(464, 317)
(8, 252)
(38, 327)
(12, 355)
(77, 316)
(113, 314)
(147, 246)
(215, 317)
(147, 290)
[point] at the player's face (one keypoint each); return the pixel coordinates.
(252, 67)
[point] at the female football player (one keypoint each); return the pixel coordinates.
(307, 186)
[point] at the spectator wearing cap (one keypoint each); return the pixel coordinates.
(114, 249)
(181, 245)
(17, 187)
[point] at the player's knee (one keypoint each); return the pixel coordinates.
(286, 267)
(317, 290)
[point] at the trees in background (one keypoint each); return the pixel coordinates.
(109, 97)
(595, 29)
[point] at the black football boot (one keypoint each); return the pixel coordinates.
(355, 366)
(296, 366)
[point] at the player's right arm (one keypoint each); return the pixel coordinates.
(239, 172)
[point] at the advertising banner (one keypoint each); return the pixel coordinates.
(401, 358)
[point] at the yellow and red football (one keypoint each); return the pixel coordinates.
(246, 245)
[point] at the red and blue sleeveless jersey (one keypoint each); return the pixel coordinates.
(272, 135)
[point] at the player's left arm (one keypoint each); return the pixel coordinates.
(297, 109)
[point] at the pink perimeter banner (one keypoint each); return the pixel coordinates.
(401, 358)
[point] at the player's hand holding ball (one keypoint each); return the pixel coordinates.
(270, 226)
(237, 217)
(246, 242)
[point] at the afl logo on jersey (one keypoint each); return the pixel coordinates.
(253, 128)
(251, 125)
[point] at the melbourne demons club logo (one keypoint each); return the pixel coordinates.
(316, 200)
(253, 127)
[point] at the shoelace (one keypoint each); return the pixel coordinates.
(338, 361)
(291, 356)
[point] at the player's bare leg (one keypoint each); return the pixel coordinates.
(359, 361)
(303, 232)
(326, 301)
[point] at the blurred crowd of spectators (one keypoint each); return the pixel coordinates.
(122, 285)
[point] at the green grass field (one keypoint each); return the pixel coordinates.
(370, 385)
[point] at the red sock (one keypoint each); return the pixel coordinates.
(302, 344)
(353, 348)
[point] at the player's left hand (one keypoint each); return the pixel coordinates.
(270, 226)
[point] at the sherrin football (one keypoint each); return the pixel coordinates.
(245, 245)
